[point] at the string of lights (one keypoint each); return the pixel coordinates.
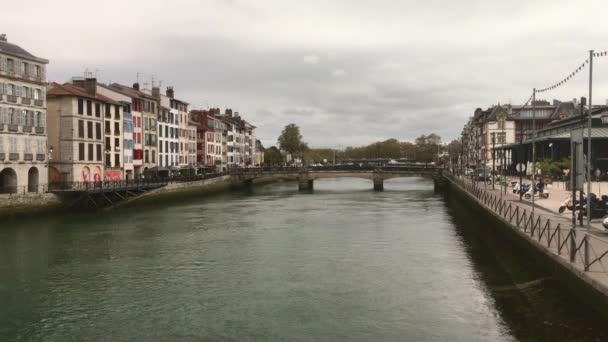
(600, 54)
(523, 107)
(565, 79)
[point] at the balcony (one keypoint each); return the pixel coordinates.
(40, 157)
(13, 128)
(26, 101)
(40, 130)
(28, 157)
(11, 98)
(13, 156)
(39, 103)
(26, 129)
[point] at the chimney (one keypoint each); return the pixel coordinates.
(88, 84)
(170, 92)
(136, 86)
(156, 92)
(3, 37)
(229, 112)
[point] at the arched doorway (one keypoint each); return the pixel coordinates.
(8, 181)
(32, 180)
(54, 175)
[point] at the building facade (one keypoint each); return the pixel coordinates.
(76, 119)
(126, 129)
(168, 136)
(23, 135)
(144, 110)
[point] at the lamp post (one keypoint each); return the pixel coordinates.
(533, 146)
(589, 138)
(493, 160)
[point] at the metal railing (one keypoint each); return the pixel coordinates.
(143, 183)
(584, 249)
(348, 168)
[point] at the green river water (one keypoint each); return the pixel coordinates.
(343, 263)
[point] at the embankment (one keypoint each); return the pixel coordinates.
(584, 285)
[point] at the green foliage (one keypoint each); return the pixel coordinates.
(291, 141)
(427, 147)
(547, 167)
(273, 156)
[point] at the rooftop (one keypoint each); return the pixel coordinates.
(67, 89)
(16, 51)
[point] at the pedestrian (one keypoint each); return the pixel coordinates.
(541, 187)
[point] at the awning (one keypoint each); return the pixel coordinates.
(596, 133)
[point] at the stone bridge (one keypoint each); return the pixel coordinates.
(306, 176)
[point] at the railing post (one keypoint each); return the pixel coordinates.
(586, 244)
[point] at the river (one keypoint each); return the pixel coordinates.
(343, 263)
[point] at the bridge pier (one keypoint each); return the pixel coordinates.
(378, 184)
(378, 179)
(305, 184)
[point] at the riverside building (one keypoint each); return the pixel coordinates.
(23, 135)
(75, 128)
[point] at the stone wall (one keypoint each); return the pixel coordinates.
(27, 203)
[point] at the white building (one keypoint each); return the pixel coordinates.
(23, 135)
(168, 136)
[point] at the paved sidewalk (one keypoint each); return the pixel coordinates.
(549, 206)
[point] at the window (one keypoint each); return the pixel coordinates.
(108, 111)
(80, 106)
(153, 156)
(147, 157)
(10, 63)
(116, 142)
(117, 160)
(116, 128)
(81, 129)
(81, 151)
(37, 71)
(107, 127)
(108, 146)
(98, 152)
(97, 109)
(89, 129)
(90, 152)
(98, 130)
(501, 124)
(89, 108)
(117, 112)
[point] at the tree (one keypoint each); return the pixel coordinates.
(290, 140)
(427, 147)
(273, 156)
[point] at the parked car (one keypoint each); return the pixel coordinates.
(484, 174)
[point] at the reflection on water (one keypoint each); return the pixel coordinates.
(344, 263)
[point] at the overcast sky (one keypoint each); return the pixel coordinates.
(347, 72)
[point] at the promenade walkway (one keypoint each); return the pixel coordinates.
(548, 230)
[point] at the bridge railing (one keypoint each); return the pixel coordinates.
(588, 250)
(347, 168)
(145, 183)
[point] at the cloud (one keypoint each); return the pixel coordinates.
(347, 72)
(338, 73)
(311, 59)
